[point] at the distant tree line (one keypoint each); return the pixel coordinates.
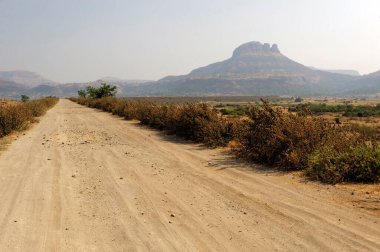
(346, 109)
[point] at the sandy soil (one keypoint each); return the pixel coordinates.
(84, 180)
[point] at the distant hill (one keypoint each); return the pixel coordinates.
(342, 71)
(109, 79)
(339, 71)
(10, 89)
(25, 78)
(375, 74)
(15, 83)
(365, 85)
(253, 69)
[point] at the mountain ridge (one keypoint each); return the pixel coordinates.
(253, 69)
(26, 78)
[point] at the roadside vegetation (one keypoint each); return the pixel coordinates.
(266, 134)
(300, 141)
(15, 116)
(193, 121)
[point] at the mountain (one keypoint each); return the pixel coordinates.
(375, 74)
(249, 61)
(339, 71)
(365, 85)
(26, 78)
(10, 89)
(114, 80)
(253, 69)
(344, 71)
(15, 83)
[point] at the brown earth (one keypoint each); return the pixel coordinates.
(84, 180)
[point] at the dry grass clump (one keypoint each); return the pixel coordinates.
(15, 116)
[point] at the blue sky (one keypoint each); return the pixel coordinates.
(82, 40)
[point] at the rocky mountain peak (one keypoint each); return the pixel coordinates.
(256, 48)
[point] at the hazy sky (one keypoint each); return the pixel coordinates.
(82, 40)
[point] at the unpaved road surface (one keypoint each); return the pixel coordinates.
(84, 180)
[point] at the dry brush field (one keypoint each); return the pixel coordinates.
(267, 134)
(82, 180)
(15, 116)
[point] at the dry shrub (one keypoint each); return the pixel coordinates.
(201, 123)
(16, 116)
(13, 117)
(327, 152)
(275, 137)
(160, 117)
(348, 157)
(194, 121)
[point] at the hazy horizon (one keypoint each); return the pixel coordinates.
(72, 41)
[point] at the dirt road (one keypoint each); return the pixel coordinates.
(84, 180)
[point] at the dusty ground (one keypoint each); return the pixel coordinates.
(84, 180)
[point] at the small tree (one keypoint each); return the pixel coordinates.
(105, 90)
(25, 98)
(298, 99)
(82, 93)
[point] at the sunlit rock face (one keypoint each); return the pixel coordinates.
(256, 48)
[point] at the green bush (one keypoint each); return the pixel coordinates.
(236, 110)
(25, 98)
(298, 99)
(360, 163)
